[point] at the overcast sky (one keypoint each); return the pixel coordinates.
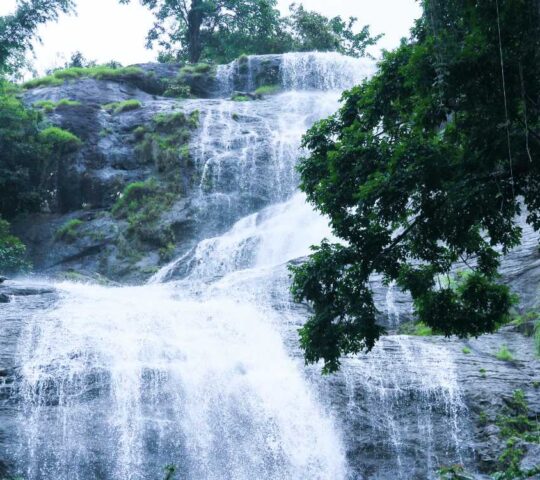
(103, 30)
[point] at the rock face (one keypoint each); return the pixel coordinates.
(167, 179)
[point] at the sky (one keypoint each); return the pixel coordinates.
(104, 30)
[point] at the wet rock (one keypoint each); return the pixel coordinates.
(4, 298)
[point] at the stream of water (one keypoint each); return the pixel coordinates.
(200, 368)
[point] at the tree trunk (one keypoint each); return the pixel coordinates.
(195, 19)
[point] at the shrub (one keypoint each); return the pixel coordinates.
(142, 204)
(125, 106)
(240, 98)
(268, 90)
(49, 106)
(68, 231)
(60, 140)
(100, 72)
(12, 251)
(133, 195)
(418, 329)
(504, 354)
(176, 88)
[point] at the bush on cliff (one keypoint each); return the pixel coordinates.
(12, 251)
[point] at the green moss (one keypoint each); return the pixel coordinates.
(139, 132)
(504, 354)
(49, 106)
(516, 427)
(235, 117)
(60, 140)
(176, 88)
(268, 90)
(483, 372)
(466, 350)
(66, 102)
(100, 72)
(142, 204)
(69, 231)
(418, 329)
(198, 68)
(125, 106)
(240, 98)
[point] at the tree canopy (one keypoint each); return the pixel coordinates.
(222, 30)
(425, 169)
(17, 31)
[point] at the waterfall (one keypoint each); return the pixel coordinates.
(200, 368)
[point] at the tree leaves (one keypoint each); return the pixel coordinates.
(415, 175)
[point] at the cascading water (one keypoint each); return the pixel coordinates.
(200, 368)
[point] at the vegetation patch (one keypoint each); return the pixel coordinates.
(418, 329)
(504, 354)
(517, 428)
(100, 72)
(69, 231)
(177, 88)
(60, 140)
(268, 90)
(125, 106)
(240, 98)
(12, 251)
(166, 141)
(142, 204)
(197, 69)
(48, 106)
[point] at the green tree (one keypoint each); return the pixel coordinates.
(191, 30)
(312, 31)
(17, 31)
(427, 165)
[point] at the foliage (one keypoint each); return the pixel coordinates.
(222, 30)
(427, 164)
(17, 31)
(516, 427)
(504, 354)
(418, 329)
(68, 231)
(12, 251)
(21, 155)
(48, 106)
(125, 106)
(453, 472)
(141, 204)
(213, 29)
(311, 31)
(268, 90)
(99, 72)
(60, 140)
(238, 97)
(165, 141)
